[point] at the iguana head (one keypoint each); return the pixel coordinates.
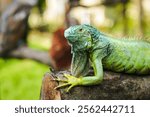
(80, 36)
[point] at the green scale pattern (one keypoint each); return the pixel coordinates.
(128, 56)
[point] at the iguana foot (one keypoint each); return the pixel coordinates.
(71, 80)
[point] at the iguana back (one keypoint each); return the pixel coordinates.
(128, 56)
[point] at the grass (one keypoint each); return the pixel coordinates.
(20, 79)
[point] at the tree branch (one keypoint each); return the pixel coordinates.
(114, 86)
(24, 52)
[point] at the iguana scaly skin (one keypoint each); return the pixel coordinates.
(89, 46)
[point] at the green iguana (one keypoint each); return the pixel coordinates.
(89, 46)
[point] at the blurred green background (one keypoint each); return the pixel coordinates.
(22, 78)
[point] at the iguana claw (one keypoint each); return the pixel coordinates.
(71, 80)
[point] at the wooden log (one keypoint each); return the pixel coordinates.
(114, 86)
(47, 90)
(24, 52)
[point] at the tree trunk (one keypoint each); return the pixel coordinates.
(13, 24)
(114, 86)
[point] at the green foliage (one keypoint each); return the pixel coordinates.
(20, 79)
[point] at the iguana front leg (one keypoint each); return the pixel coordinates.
(85, 81)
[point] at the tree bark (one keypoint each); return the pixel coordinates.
(114, 86)
(13, 25)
